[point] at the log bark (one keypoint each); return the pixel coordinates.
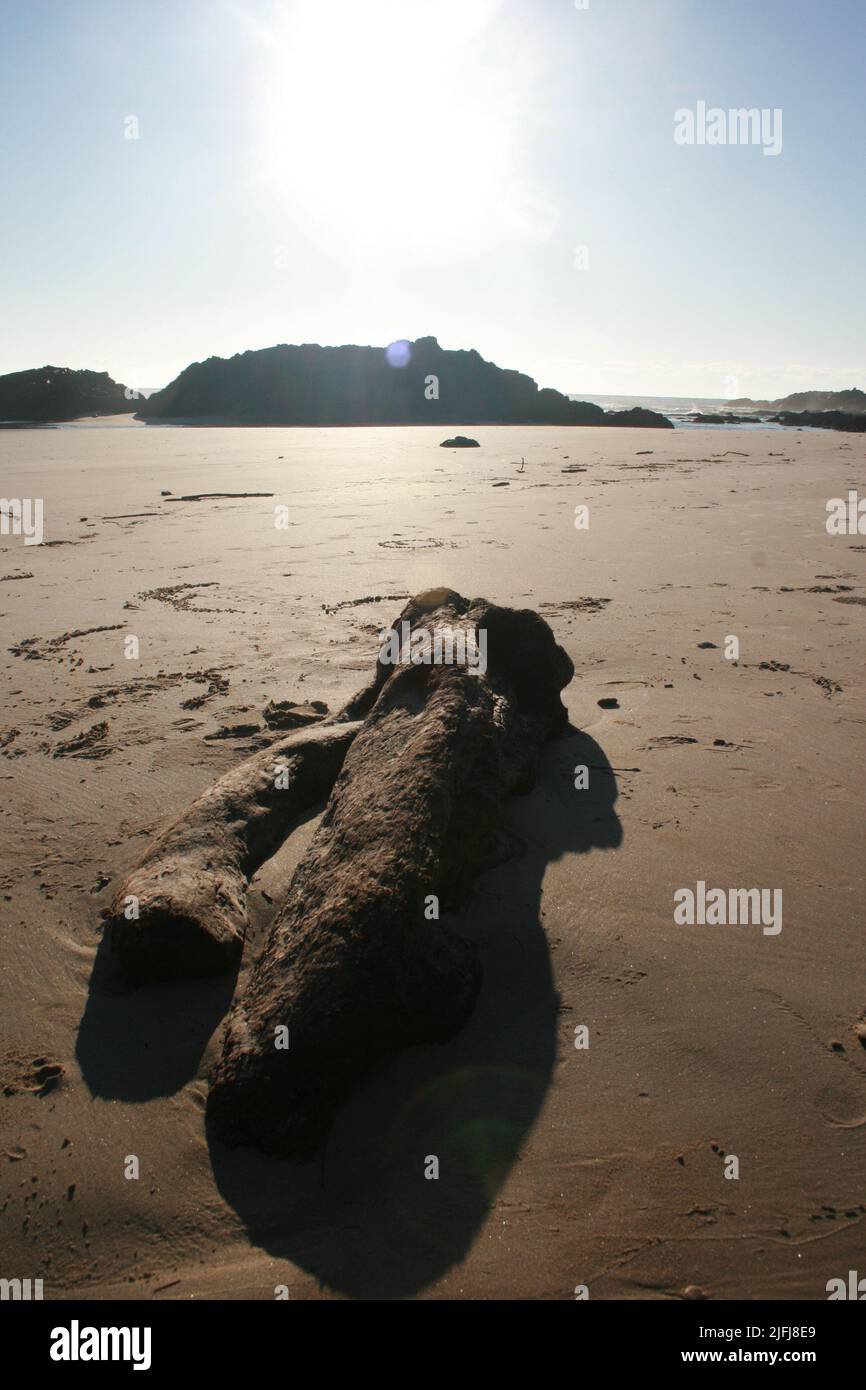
(354, 967)
(182, 911)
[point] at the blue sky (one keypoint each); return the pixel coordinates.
(337, 171)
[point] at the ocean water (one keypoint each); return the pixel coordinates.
(677, 409)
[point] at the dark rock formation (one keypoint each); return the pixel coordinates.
(187, 896)
(460, 441)
(852, 402)
(59, 393)
(727, 419)
(312, 385)
(822, 420)
(357, 965)
(637, 418)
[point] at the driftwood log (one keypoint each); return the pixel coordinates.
(357, 965)
(182, 911)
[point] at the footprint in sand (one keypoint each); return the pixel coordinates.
(841, 1106)
(182, 597)
(20, 1075)
(577, 605)
(235, 731)
(830, 688)
(89, 744)
(43, 648)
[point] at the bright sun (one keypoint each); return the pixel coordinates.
(379, 124)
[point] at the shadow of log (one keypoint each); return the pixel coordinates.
(135, 1045)
(362, 1218)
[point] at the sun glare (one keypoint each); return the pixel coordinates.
(378, 123)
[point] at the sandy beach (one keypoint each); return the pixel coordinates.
(605, 1166)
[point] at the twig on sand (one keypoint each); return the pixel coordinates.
(208, 496)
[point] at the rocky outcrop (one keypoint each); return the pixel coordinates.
(50, 394)
(638, 418)
(313, 385)
(822, 420)
(357, 964)
(725, 419)
(850, 402)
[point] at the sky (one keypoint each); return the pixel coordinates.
(189, 178)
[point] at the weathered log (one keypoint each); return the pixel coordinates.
(182, 911)
(353, 968)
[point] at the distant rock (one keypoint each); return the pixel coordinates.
(726, 419)
(51, 394)
(822, 420)
(313, 385)
(460, 441)
(852, 402)
(638, 418)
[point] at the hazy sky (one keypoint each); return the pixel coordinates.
(363, 170)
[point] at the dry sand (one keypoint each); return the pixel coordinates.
(559, 1167)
